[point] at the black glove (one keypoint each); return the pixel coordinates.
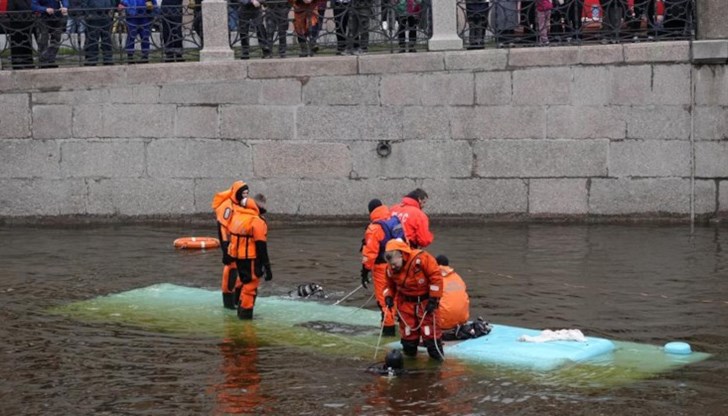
(226, 259)
(267, 273)
(258, 268)
(389, 301)
(365, 277)
(432, 304)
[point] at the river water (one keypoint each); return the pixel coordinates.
(640, 283)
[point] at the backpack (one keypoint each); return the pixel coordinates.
(471, 329)
(392, 229)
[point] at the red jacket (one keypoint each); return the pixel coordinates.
(373, 237)
(415, 222)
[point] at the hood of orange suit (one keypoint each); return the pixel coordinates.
(221, 197)
(380, 213)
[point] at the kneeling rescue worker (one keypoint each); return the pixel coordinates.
(223, 204)
(249, 248)
(414, 285)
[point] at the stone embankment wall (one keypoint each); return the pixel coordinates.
(571, 131)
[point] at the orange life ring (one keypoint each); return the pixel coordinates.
(196, 242)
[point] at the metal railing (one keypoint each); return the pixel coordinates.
(173, 31)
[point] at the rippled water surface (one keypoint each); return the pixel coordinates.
(647, 284)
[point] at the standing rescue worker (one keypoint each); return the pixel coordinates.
(382, 228)
(415, 221)
(249, 247)
(223, 204)
(414, 286)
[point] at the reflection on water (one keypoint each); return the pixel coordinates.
(645, 284)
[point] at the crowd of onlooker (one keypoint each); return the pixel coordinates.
(37, 29)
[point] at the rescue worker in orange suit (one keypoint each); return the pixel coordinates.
(414, 286)
(223, 203)
(454, 307)
(415, 221)
(375, 238)
(249, 247)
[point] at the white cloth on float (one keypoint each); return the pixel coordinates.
(559, 335)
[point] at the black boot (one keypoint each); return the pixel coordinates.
(409, 348)
(388, 331)
(434, 350)
(245, 313)
(228, 301)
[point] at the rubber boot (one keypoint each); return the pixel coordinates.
(409, 348)
(434, 350)
(388, 331)
(245, 313)
(228, 301)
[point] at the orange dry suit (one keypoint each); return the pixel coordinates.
(454, 307)
(373, 260)
(415, 221)
(415, 286)
(223, 203)
(248, 246)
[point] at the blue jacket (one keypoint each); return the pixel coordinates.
(41, 5)
(138, 8)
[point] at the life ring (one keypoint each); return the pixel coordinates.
(196, 242)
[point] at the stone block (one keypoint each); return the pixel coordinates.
(88, 120)
(15, 116)
(183, 72)
(42, 197)
(74, 97)
(324, 123)
(301, 160)
(649, 196)
(524, 57)
(671, 85)
(174, 158)
(302, 67)
(592, 85)
(711, 52)
(142, 196)
(601, 54)
(234, 92)
(402, 63)
(710, 85)
(541, 158)
(498, 122)
(476, 196)
(30, 159)
(103, 159)
(71, 78)
(711, 123)
(711, 159)
(557, 196)
(7, 81)
(657, 52)
(425, 123)
(663, 122)
(539, 86)
(414, 159)
(631, 85)
(350, 90)
(280, 92)
(493, 88)
(138, 120)
(428, 89)
(649, 158)
(135, 94)
(200, 121)
(723, 197)
(257, 122)
(52, 121)
(480, 60)
(585, 122)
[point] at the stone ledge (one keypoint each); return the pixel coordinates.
(419, 62)
(302, 67)
(710, 52)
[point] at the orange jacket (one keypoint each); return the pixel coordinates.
(454, 304)
(415, 222)
(223, 204)
(246, 228)
(419, 275)
(373, 237)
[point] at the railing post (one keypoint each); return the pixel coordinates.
(215, 26)
(444, 26)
